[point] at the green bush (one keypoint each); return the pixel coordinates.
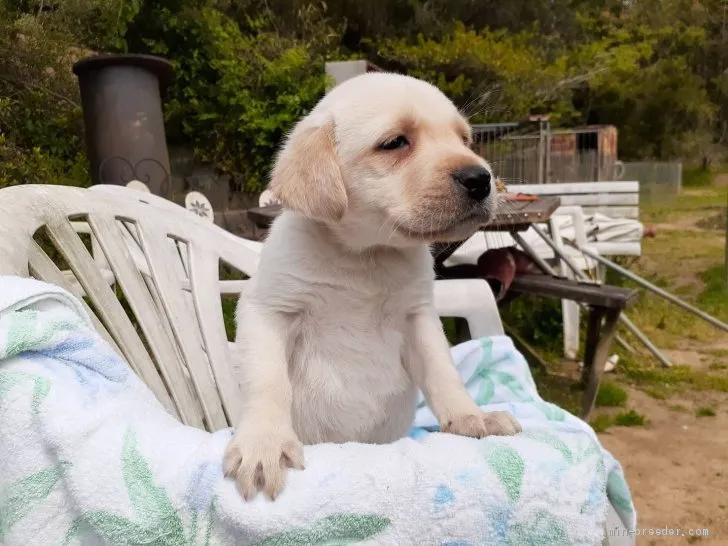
(610, 395)
(247, 71)
(238, 87)
(538, 320)
(629, 419)
(696, 177)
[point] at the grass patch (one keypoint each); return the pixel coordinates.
(228, 317)
(557, 389)
(610, 395)
(705, 412)
(718, 366)
(714, 297)
(601, 422)
(677, 407)
(691, 200)
(659, 392)
(629, 419)
(537, 320)
(669, 380)
(448, 326)
(696, 177)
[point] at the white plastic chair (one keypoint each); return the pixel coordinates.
(183, 357)
(191, 349)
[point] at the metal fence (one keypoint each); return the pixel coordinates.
(657, 179)
(532, 153)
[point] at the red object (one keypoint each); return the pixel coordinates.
(500, 266)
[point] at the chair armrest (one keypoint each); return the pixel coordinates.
(471, 299)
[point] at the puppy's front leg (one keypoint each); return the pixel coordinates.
(265, 444)
(430, 365)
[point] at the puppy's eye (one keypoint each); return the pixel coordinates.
(466, 140)
(395, 143)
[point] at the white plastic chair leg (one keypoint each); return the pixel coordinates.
(571, 311)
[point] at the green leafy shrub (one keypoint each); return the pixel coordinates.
(629, 419)
(239, 85)
(538, 320)
(610, 395)
(705, 412)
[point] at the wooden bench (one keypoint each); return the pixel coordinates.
(605, 304)
(618, 200)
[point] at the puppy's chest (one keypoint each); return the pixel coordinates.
(367, 310)
(351, 338)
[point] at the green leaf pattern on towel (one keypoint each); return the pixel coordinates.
(552, 412)
(541, 530)
(513, 385)
(158, 522)
(41, 387)
(551, 440)
(19, 498)
(487, 374)
(25, 331)
(508, 465)
(618, 493)
(486, 391)
(335, 530)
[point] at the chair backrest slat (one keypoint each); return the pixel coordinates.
(112, 313)
(161, 257)
(43, 268)
(206, 297)
(108, 233)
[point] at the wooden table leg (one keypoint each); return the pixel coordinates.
(599, 337)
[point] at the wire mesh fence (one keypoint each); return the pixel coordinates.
(532, 153)
(658, 180)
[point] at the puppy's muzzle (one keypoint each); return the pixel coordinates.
(476, 180)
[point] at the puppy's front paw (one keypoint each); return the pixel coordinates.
(259, 461)
(478, 425)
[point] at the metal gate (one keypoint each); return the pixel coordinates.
(532, 152)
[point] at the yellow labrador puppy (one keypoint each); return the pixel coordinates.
(337, 329)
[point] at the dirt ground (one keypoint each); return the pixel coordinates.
(677, 466)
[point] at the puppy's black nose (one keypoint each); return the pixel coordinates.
(475, 179)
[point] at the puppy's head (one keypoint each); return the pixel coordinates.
(384, 159)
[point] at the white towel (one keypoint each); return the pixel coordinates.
(88, 456)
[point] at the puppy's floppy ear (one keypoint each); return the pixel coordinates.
(306, 176)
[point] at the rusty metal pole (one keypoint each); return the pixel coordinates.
(121, 96)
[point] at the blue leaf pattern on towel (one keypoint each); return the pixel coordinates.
(443, 495)
(104, 371)
(105, 364)
(201, 487)
(594, 497)
(417, 433)
(499, 517)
